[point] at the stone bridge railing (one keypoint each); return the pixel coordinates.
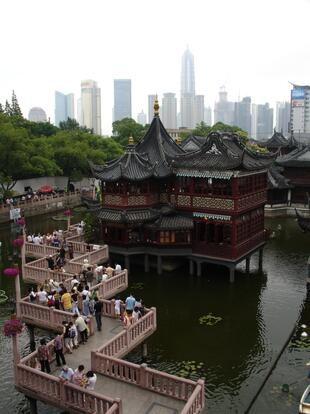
(53, 391)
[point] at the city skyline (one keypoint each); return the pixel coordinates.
(247, 58)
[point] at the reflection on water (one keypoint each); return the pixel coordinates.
(258, 313)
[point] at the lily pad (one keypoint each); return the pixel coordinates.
(209, 319)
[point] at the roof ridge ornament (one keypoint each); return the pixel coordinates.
(156, 106)
(131, 140)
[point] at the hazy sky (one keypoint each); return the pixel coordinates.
(252, 47)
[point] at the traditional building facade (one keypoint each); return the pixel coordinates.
(206, 205)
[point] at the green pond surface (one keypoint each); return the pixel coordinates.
(228, 334)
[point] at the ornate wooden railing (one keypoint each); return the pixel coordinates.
(66, 395)
(152, 380)
(110, 287)
(122, 343)
(196, 401)
(47, 317)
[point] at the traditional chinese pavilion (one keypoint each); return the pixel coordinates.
(206, 205)
(296, 166)
(278, 143)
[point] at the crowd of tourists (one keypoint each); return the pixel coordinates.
(68, 375)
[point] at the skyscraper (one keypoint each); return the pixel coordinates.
(283, 117)
(199, 109)
(169, 110)
(300, 113)
(224, 110)
(187, 90)
(243, 114)
(262, 121)
(141, 118)
(208, 115)
(64, 107)
(91, 105)
(122, 99)
(150, 101)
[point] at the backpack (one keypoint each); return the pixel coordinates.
(50, 302)
(71, 333)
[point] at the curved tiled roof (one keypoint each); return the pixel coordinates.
(299, 157)
(131, 166)
(222, 151)
(276, 180)
(172, 222)
(276, 141)
(193, 143)
(148, 158)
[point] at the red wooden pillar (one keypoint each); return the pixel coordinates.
(234, 186)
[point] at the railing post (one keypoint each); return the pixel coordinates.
(143, 376)
(202, 393)
(128, 337)
(154, 318)
(62, 393)
(120, 405)
(52, 317)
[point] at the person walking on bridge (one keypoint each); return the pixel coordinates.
(98, 312)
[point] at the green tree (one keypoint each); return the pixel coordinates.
(72, 125)
(16, 111)
(201, 129)
(127, 127)
(7, 109)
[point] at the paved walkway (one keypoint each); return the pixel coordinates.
(135, 399)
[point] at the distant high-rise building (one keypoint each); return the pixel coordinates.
(37, 114)
(208, 115)
(64, 107)
(141, 118)
(91, 105)
(243, 114)
(169, 110)
(283, 117)
(300, 113)
(224, 110)
(150, 101)
(187, 90)
(79, 110)
(122, 99)
(262, 121)
(199, 109)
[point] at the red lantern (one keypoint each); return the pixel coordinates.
(18, 242)
(67, 213)
(11, 271)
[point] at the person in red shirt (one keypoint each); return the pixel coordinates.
(43, 356)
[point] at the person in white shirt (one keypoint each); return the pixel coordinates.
(36, 240)
(98, 271)
(117, 307)
(74, 281)
(86, 292)
(91, 380)
(29, 238)
(42, 295)
(118, 268)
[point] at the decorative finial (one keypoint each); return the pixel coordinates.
(130, 140)
(178, 140)
(156, 106)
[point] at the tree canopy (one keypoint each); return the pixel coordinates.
(30, 149)
(127, 127)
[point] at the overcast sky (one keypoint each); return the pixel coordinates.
(252, 47)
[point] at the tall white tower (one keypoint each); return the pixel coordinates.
(91, 105)
(187, 90)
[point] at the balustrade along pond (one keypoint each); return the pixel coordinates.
(228, 334)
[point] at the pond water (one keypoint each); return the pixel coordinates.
(258, 313)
